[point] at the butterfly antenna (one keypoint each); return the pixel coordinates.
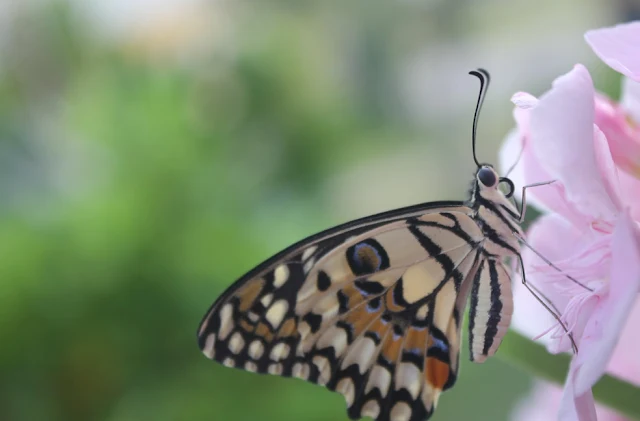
(484, 77)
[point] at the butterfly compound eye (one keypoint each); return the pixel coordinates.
(487, 177)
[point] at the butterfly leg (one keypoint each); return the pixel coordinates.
(547, 261)
(523, 206)
(537, 295)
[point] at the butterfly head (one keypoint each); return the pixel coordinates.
(487, 184)
(487, 181)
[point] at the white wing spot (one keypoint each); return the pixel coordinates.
(401, 411)
(236, 343)
(280, 352)
(229, 362)
(422, 312)
(409, 377)
(303, 329)
(209, 345)
(266, 300)
(226, 324)
(253, 317)
(335, 337)
(308, 265)
(275, 369)
(308, 252)
(370, 409)
(256, 349)
(361, 353)
(430, 395)
(346, 387)
(324, 369)
(276, 313)
(280, 275)
(300, 370)
(380, 378)
(250, 366)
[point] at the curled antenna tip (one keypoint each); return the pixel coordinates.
(484, 77)
(481, 73)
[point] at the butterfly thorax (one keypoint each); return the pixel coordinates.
(496, 216)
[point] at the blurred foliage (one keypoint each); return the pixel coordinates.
(136, 191)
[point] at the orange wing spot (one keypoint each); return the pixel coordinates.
(264, 331)
(416, 339)
(390, 304)
(355, 297)
(359, 319)
(288, 328)
(249, 293)
(246, 325)
(391, 348)
(380, 328)
(437, 373)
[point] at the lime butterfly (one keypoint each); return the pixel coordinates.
(373, 308)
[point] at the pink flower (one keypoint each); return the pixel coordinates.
(544, 401)
(591, 146)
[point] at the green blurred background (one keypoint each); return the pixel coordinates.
(153, 151)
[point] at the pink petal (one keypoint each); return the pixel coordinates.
(630, 190)
(524, 100)
(551, 197)
(543, 402)
(512, 150)
(509, 153)
(630, 100)
(562, 134)
(576, 407)
(622, 136)
(529, 169)
(607, 167)
(606, 323)
(618, 46)
(624, 362)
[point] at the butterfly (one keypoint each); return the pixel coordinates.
(373, 308)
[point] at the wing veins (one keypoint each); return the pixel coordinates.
(383, 218)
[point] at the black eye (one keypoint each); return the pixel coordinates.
(487, 176)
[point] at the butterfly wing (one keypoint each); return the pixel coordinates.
(490, 310)
(371, 309)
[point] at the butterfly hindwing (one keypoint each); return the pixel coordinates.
(490, 310)
(372, 312)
